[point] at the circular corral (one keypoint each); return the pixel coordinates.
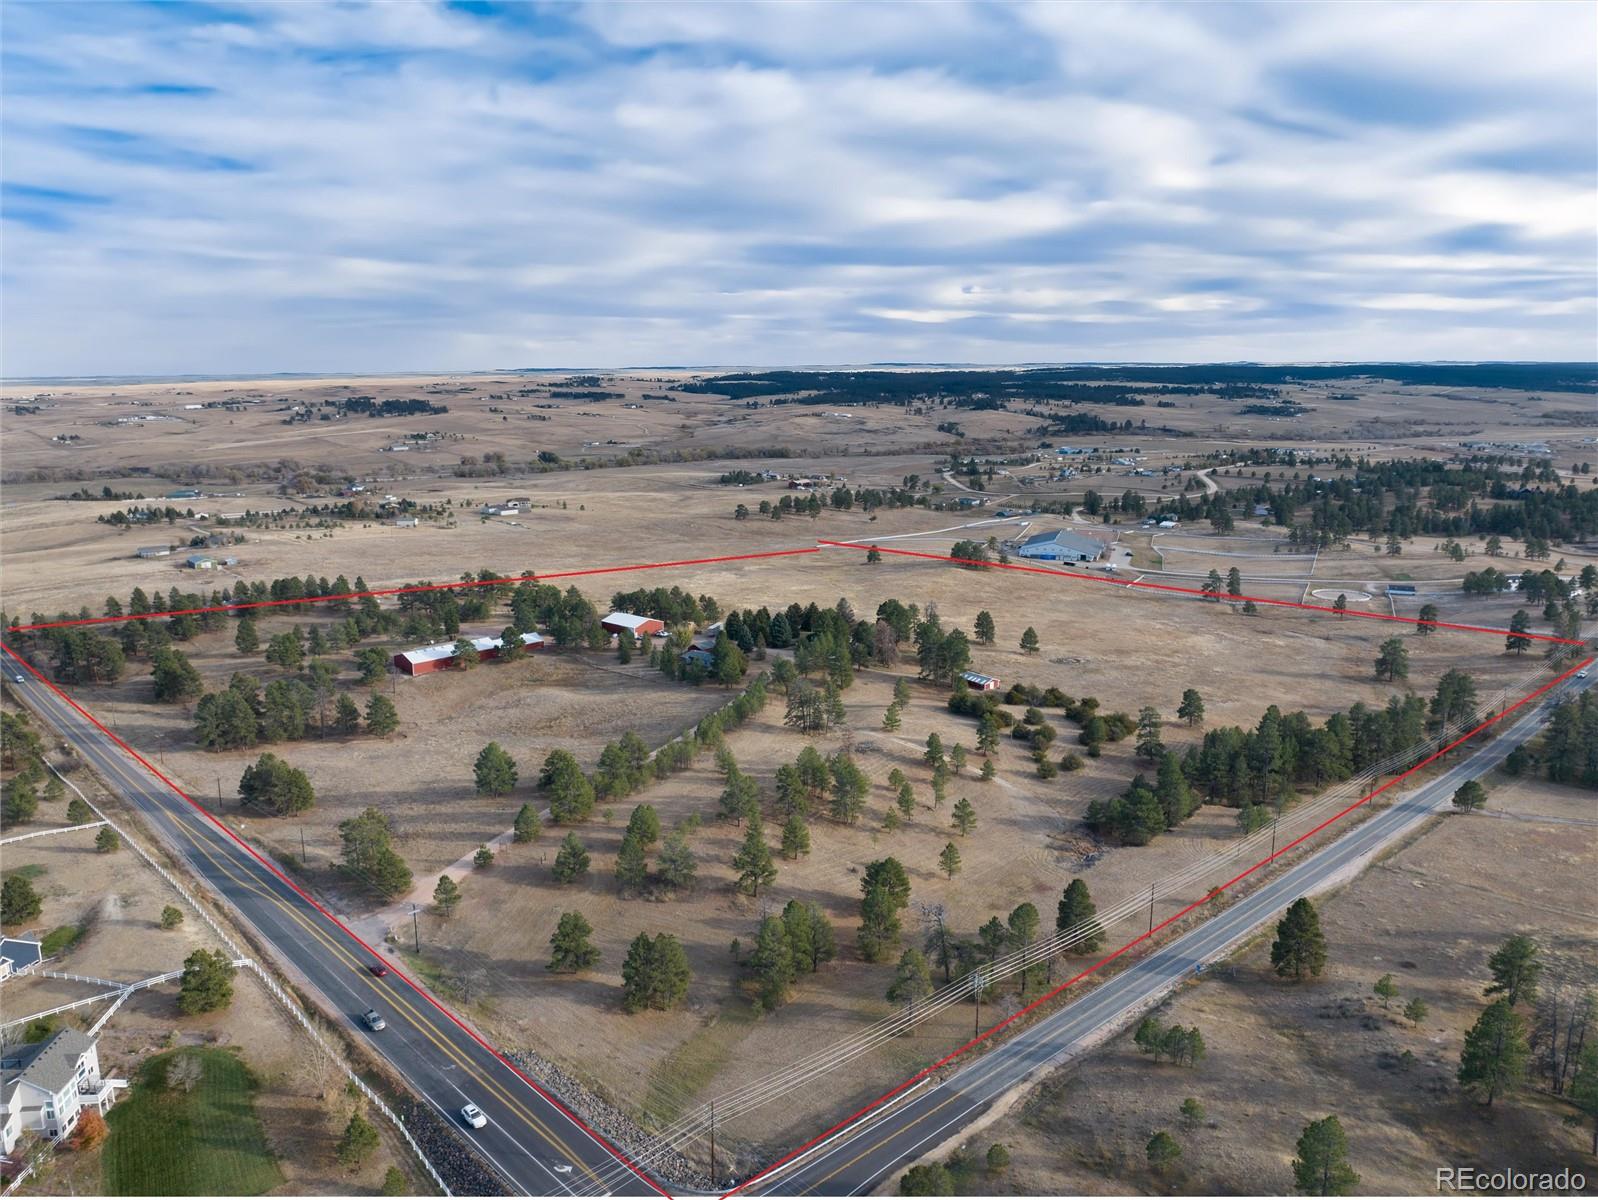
(1334, 593)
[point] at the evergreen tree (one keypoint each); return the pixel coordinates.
(810, 934)
(1029, 641)
(1392, 660)
(381, 718)
(984, 628)
(1321, 1165)
(571, 794)
(368, 854)
(1426, 619)
(176, 680)
(1162, 1150)
(753, 860)
(927, 1179)
(19, 901)
(1583, 1091)
(795, 837)
(965, 816)
(107, 841)
(676, 865)
(1300, 947)
(358, 1142)
(1076, 910)
(346, 716)
(912, 980)
(1149, 745)
(772, 963)
(1191, 709)
(570, 949)
(632, 867)
(1515, 967)
(271, 786)
(885, 891)
(171, 917)
(246, 638)
(528, 827)
(1469, 796)
(206, 984)
(850, 787)
(1495, 1053)
(655, 974)
(571, 860)
(949, 860)
(1386, 990)
(446, 896)
(494, 771)
(1519, 623)
(645, 823)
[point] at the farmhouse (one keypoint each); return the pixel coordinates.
(441, 656)
(19, 954)
(980, 682)
(44, 1087)
(640, 626)
(702, 648)
(1061, 545)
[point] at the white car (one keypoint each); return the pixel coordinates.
(19, 679)
(473, 1116)
(1582, 674)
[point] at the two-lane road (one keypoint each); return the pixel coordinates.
(864, 1156)
(532, 1142)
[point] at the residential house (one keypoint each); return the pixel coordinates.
(44, 1087)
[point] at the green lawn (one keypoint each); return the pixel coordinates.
(63, 937)
(27, 871)
(203, 1141)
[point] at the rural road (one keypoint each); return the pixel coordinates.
(864, 1156)
(528, 1138)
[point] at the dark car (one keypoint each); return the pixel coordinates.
(378, 969)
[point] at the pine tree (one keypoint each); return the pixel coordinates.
(528, 827)
(795, 837)
(949, 860)
(1321, 1166)
(1029, 641)
(494, 771)
(381, 717)
(965, 816)
(1386, 990)
(986, 633)
(571, 860)
(207, 982)
(446, 896)
(655, 974)
(1076, 910)
(1162, 1150)
(1515, 968)
(1519, 623)
(753, 860)
(570, 948)
(1191, 709)
(912, 980)
(1300, 947)
(676, 865)
(1495, 1053)
(632, 868)
(246, 639)
(772, 962)
(107, 841)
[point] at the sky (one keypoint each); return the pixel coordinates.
(219, 188)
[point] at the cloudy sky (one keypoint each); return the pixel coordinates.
(226, 188)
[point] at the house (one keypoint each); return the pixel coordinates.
(702, 648)
(1061, 545)
(406, 522)
(44, 1087)
(424, 660)
(1169, 523)
(980, 682)
(18, 954)
(1262, 510)
(154, 551)
(499, 510)
(639, 626)
(199, 562)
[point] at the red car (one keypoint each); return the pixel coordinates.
(378, 969)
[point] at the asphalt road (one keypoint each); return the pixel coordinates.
(866, 1155)
(536, 1147)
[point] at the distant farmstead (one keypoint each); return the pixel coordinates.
(442, 656)
(638, 626)
(1061, 545)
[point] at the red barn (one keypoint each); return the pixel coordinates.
(640, 626)
(441, 656)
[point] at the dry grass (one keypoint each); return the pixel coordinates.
(1281, 1055)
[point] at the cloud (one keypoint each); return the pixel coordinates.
(232, 188)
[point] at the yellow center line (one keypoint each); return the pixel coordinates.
(410, 1014)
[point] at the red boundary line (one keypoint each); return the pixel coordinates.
(1143, 937)
(345, 929)
(924, 1072)
(1186, 591)
(402, 591)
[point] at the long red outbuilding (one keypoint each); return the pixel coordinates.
(442, 656)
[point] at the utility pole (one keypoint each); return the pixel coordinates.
(712, 1145)
(1151, 908)
(1274, 824)
(416, 935)
(219, 795)
(303, 860)
(976, 991)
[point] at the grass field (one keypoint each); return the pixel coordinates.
(203, 1141)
